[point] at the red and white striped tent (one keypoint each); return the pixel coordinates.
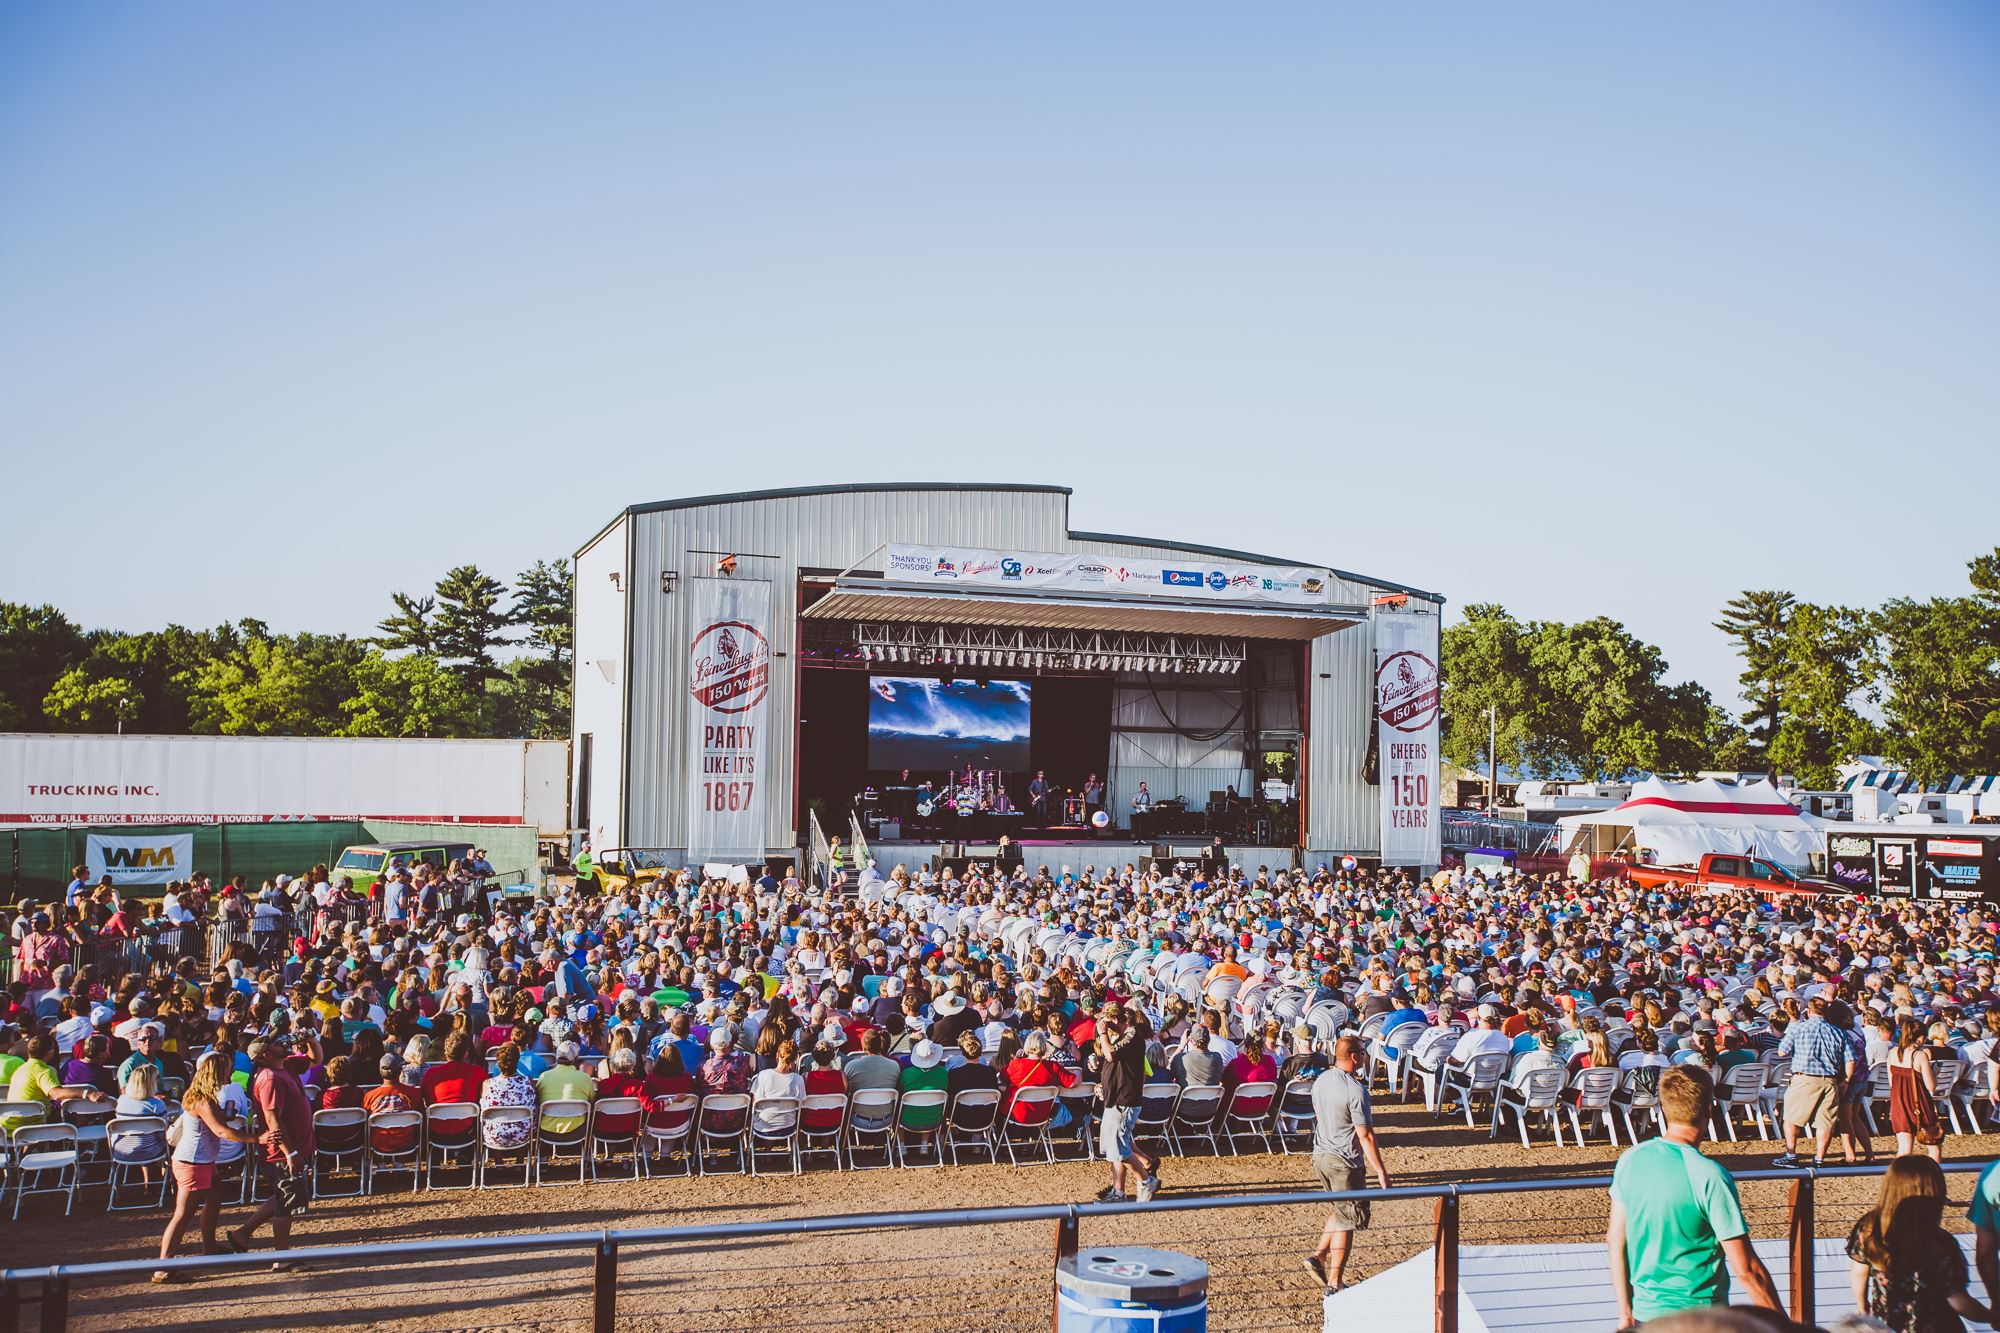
(1675, 823)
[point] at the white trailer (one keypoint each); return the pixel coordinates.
(103, 780)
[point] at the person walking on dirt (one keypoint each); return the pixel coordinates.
(1122, 1081)
(1343, 1141)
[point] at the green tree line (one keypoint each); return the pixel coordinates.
(1916, 681)
(473, 657)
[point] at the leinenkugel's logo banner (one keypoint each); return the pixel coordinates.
(729, 679)
(137, 860)
(1174, 576)
(1406, 713)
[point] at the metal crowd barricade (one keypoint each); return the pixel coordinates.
(50, 1284)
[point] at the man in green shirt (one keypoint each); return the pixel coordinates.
(1677, 1230)
(1985, 1216)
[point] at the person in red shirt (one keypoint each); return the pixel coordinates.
(459, 1078)
(622, 1081)
(393, 1095)
(1033, 1069)
(288, 1137)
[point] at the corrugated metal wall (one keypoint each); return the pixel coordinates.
(774, 538)
(815, 531)
(599, 676)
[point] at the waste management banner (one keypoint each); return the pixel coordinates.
(139, 860)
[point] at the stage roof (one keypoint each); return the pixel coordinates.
(1072, 611)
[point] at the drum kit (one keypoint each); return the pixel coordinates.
(969, 792)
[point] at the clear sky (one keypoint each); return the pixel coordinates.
(1580, 308)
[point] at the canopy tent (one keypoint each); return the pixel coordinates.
(1675, 823)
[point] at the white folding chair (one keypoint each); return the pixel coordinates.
(451, 1139)
(1480, 1074)
(823, 1126)
(1038, 1109)
(1539, 1090)
(497, 1125)
(774, 1127)
(1296, 1116)
(1079, 1101)
(722, 1125)
(1741, 1088)
(920, 1099)
(669, 1125)
(90, 1119)
(1945, 1076)
(339, 1135)
(1156, 1111)
(41, 1150)
(1390, 1053)
(553, 1140)
(382, 1156)
(871, 1113)
(614, 1129)
(1196, 1112)
(969, 1123)
(135, 1144)
(1591, 1092)
(1878, 1092)
(1639, 1097)
(1247, 1114)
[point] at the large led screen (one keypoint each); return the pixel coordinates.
(928, 726)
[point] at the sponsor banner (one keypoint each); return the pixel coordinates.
(729, 684)
(1406, 722)
(1958, 869)
(1179, 577)
(1850, 862)
(139, 860)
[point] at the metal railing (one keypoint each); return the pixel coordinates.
(49, 1286)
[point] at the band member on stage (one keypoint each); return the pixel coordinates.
(1093, 793)
(1142, 801)
(1038, 795)
(926, 800)
(1003, 804)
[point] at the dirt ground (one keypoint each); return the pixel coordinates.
(992, 1277)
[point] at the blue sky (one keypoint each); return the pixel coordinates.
(1579, 308)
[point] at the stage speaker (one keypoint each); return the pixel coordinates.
(1163, 851)
(890, 829)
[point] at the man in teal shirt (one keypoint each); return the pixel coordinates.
(1677, 1230)
(1985, 1215)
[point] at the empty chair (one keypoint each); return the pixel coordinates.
(924, 1128)
(134, 1145)
(90, 1119)
(614, 1130)
(40, 1151)
(1196, 1113)
(339, 1136)
(774, 1128)
(451, 1138)
(507, 1133)
(670, 1125)
(563, 1127)
(1974, 1085)
(395, 1143)
(969, 1123)
(1878, 1093)
(1029, 1113)
(1078, 1101)
(722, 1125)
(1590, 1093)
(1741, 1088)
(1539, 1090)
(1945, 1075)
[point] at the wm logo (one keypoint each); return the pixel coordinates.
(138, 858)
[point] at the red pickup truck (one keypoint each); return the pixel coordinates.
(1721, 870)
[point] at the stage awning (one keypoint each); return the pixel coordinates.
(1072, 611)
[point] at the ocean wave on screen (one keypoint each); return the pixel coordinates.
(961, 710)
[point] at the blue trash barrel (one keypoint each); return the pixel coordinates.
(1130, 1289)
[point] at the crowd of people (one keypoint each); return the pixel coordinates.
(417, 994)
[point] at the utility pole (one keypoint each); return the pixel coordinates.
(1493, 760)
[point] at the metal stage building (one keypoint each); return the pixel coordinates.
(741, 660)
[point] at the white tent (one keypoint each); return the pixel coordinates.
(1675, 823)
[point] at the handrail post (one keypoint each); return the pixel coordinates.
(1065, 1249)
(1445, 1243)
(1802, 1250)
(604, 1286)
(55, 1304)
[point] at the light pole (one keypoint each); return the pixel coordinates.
(1492, 759)
(123, 704)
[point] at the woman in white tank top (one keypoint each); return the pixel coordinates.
(201, 1133)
